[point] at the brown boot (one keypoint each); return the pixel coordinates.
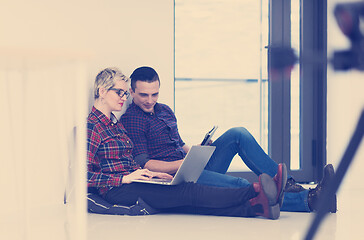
(281, 179)
(317, 192)
(265, 204)
(292, 186)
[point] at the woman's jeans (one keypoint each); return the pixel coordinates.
(187, 198)
(240, 141)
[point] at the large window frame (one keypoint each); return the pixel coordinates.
(313, 90)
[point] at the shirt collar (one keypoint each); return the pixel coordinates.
(103, 118)
(156, 109)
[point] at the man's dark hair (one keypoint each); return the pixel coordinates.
(144, 74)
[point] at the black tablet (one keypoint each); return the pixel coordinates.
(208, 136)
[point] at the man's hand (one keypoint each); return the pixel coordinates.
(163, 166)
(144, 174)
(162, 175)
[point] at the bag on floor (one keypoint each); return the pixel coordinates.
(96, 204)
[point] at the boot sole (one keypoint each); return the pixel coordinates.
(284, 182)
(269, 188)
(270, 191)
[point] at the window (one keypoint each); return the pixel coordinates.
(297, 120)
(223, 77)
(221, 68)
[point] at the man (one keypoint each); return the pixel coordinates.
(152, 126)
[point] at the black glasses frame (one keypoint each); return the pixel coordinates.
(120, 92)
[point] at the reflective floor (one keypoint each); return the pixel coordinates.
(347, 223)
(39, 223)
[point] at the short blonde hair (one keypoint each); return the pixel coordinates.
(106, 78)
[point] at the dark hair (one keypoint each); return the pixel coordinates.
(144, 74)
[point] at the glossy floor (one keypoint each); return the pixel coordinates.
(345, 224)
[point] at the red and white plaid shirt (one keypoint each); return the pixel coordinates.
(109, 152)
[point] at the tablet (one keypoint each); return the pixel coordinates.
(208, 136)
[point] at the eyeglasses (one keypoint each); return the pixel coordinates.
(120, 92)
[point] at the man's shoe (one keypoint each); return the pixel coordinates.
(280, 179)
(316, 193)
(265, 204)
(292, 186)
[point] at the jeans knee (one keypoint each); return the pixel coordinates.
(242, 182)
(239, 132)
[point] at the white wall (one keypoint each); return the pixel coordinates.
(50, 52)
(126, 34)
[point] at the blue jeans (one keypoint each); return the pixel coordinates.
(240, 141)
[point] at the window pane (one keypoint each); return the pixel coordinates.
(221, 68)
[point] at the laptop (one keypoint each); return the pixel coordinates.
(190, 169)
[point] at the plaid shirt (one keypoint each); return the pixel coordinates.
(155, 135)
(109, 152)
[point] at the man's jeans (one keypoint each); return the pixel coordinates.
(240, 141)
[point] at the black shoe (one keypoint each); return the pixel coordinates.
(315, 193)
(292, 186)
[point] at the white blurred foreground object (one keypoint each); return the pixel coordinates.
(43, 110)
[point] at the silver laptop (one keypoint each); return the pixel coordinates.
(190, 169)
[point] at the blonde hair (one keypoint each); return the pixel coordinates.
(106, 78)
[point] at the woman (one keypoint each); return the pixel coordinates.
(111, 168)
